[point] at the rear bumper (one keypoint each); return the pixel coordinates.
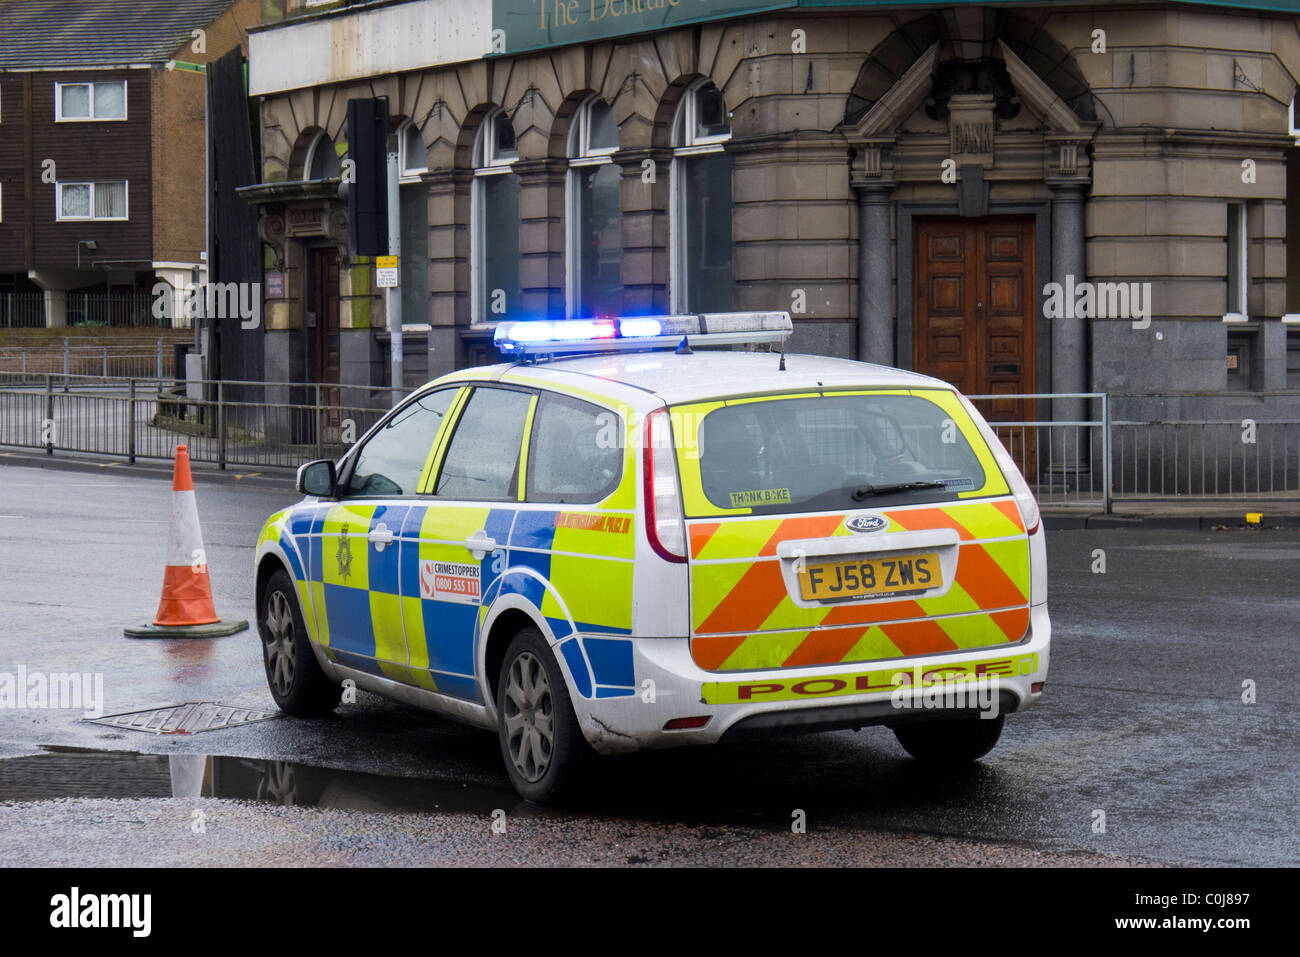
(760, 704)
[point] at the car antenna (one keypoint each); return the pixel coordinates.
(684, 348)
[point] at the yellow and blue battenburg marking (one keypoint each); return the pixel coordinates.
(355, 588)
(413, 612)
(282, 528)
(586, 556)
(442, 590)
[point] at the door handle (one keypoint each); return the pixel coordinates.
(381, 536)
(479, 544)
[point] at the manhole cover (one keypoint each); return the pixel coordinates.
(189, 718)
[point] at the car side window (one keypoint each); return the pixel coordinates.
(392, 459)
(482, 461)
(575, 454)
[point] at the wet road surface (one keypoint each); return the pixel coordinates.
(1142, 721)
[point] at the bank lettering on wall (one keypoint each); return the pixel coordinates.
(530, 24)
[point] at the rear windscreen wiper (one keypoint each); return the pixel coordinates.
(864, 491)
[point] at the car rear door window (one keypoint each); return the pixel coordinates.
(833, 451)
(482, 461)
(574, 455)
(392, 459)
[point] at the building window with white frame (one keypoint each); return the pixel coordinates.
(1238, 273)
(701, 203)
(494, 228)
(410, 144)
(413, 204)
(593, 274)
(322, 158)
(81, 102)
(1291, 167)
(91, 201)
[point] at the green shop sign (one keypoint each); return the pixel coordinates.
(519, 25)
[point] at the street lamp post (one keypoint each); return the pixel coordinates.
(89, 244)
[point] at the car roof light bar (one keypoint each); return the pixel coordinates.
(531, 337)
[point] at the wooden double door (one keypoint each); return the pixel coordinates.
(974, 312)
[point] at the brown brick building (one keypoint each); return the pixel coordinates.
(102, 152)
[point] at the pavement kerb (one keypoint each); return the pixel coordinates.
(1060, 521)
(270, 478)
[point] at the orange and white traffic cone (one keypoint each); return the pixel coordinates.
(186, 609)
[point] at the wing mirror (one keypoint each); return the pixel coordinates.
(317, 478)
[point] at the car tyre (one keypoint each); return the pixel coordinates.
(541, 743)
(296, 680)
(952, 741)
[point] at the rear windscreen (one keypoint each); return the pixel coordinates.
(833, 451)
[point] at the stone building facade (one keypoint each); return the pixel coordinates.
(1021, 198)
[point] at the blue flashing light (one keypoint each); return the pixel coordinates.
(632, 328)
(637, 333)
(539, 331)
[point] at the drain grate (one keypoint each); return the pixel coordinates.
(192, 717)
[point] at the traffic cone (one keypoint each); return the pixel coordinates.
(186, 609)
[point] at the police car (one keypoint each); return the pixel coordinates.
(635, 535)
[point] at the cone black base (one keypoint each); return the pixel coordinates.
(218, 629)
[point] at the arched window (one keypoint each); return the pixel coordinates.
(494, 228)
(594, 225)
(700, 212)
(322, 160)
(413, 207)
(415, 158)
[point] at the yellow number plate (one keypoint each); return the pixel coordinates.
(868, 577)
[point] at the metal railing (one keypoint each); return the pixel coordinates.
(1064, 452)
(1074, 451)
(1186, 444)
(121, 359)
(225, 423)
(22, 310)
(28, 310)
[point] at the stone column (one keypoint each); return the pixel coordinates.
(872, 176)
(1069, 336)
(541, 236)
(877, 322)
(643, 200)
(449, 281)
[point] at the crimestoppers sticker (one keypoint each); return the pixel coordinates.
(450, 581)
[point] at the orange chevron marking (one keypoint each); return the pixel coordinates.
(700, 535)
(1013, 623)
(1012, 511)
(984, 579)
(919, 637)
(747, 605)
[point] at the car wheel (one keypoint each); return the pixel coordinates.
(955, 741)
(541, 743)
(296, 681)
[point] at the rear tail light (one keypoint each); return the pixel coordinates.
(663, 501)
(1020, 490)
(1025, 500)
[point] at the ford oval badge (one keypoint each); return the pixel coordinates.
(866, 523)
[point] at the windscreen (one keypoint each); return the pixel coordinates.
(833, 451)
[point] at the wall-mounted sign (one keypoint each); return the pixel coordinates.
(530, 24)
(275, 285)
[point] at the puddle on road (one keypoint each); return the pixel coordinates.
(126, 775)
